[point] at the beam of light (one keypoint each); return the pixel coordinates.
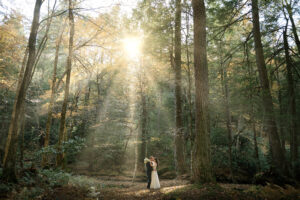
(132, 47)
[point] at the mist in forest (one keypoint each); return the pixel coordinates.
(90, 90)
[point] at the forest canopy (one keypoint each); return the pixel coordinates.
(210, 88)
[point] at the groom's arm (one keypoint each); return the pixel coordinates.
(148, 165)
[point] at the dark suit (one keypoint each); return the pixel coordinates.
(149, 171)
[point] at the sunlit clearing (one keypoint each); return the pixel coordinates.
(132, 46)
(167, 190)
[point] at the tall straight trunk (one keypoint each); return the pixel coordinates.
(225, 89)
(52, 99)
(278, 158)
(86, 112)
(292, 102)
(288, 7)
(62, 131)
(136, 158)
(44, 39)
(281, 123)
(228, 123)
(98, 117)
(189, 74)
(21, 74)
(9, 161)
(74, 108)
(22, 130)
(252, 114)
(179, 134)
(256, 155)
(201, 165)
(22, 115)
(143, 129)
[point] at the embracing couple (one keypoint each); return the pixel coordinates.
(152, 176)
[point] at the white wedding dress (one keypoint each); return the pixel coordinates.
(154, 177)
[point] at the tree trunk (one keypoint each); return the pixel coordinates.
(86, 112)
(201, 165)
(281, 123)
(189, 74)
(179, 134)
(250, 73)
(224, 81)
(74, 108)
(144, 117)
(60, 157)
(22, 130)
(9, 161)
(278, 158)
(256, 155)
(294, 29)
(292, 103)
(52, 99)
(136, 158)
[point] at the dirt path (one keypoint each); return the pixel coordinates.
(137, 190)
(118, 188)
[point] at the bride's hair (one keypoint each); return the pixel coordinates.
(156, 160)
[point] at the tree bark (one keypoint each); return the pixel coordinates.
(144, 116)
(86, 112)
(179, 134)
(9, 161)
(278, 158)
(52, 99)
(201, 165)
(292, 102)
(60, 158)
(189, 74)
(22, 130)
(250, 73)
(281, 123)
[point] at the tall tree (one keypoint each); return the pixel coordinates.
(143, 115)
(179, 136)
(292, 101)
(225, 90)
(9, 160)
(252, 108)
(289, 9)
(62, 132)
(189, 72)
(275, 145)
(52, 98)
(201, 163)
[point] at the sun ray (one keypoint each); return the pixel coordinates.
(132, 47)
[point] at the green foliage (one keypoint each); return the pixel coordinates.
(104, 115)
(30, 193)
(54, 178)
(245, 165)
(73, 146)
(5, 188)
(85, 182)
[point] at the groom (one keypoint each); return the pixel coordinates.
(149, 170)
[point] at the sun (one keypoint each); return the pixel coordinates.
(132, 47)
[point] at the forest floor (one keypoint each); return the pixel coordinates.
(87, 187)
(110, 188)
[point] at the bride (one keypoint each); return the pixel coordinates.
(154, 176)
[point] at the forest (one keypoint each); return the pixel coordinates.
(89, 89)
